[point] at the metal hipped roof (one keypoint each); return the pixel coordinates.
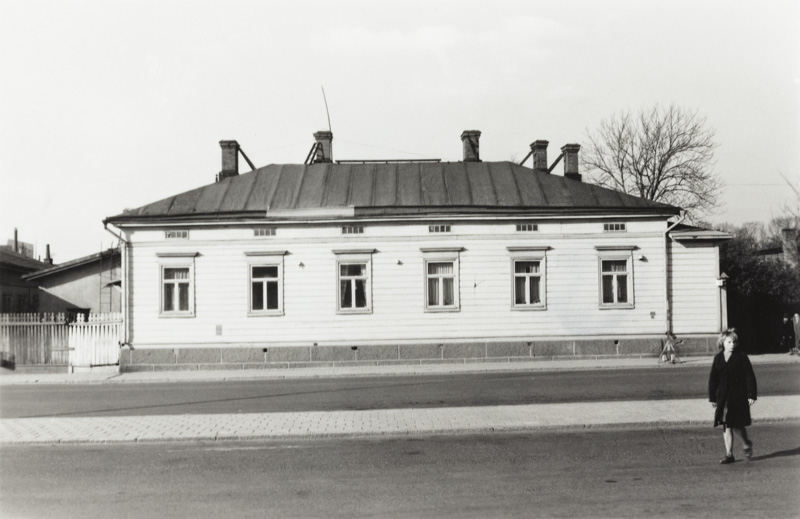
(378, 189)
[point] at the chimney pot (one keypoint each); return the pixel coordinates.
(230, 160)
(471, 144)
(570, 152)
(539, 152)
(324, 151)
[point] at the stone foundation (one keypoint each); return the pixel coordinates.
(192, 359)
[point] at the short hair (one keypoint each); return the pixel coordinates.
(730, 332)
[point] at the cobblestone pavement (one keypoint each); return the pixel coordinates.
(386, 422)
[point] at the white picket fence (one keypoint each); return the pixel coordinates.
(55, 339)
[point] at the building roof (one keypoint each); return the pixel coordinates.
(85, 260)
(384, 189)
(683, 232)
(9, 258)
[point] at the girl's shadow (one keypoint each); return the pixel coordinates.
(779, 454)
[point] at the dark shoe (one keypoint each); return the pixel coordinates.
(748, 450)
(726, 460)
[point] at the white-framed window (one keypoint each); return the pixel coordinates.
(614, 227)
(264, 231)
(176, 234)
(438, 228)
(527, 227)
(528, 277)
(441, 274)
(354, 281)
(176, 289)
(265, 283)
(615, 276)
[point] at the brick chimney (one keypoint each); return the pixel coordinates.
(570, 152)
(539, 152)
(471, 143)
(230, 160)
(324, 151)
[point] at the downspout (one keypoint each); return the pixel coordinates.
(667, 303)
(125, 305)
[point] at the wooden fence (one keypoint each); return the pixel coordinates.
(95, 342)
(57, 339)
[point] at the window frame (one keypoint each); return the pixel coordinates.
(616, 253)
(265, 259)
(529, 253)
(180, 260)
(442, 255)
(354, 257)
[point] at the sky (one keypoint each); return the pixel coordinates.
(108, 105)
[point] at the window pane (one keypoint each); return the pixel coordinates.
(258, 296)
(433, 292)
(614, 266)
(272, 295)
(176, 273)
(622, 289)
(440, 268)
(346, 297)
(169, 297)
(183, 295)
(361, 293)
(608, 289)
(448, 292)
(353, 270)
(519, 290)
(265, 272)
(535, 299)
(526, 267)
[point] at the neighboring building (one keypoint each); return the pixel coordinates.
(410, 261)
(18, 295)
(90, 284)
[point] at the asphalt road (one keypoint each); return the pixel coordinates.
(654, 473)
(666, 382)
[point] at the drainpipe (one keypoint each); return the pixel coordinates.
(667, 303)
(125, 306)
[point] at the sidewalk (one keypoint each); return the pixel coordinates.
(381, 423)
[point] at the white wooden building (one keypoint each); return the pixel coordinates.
(380, 262)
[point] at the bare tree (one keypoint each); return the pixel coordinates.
(664, 155)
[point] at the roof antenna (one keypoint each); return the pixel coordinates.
(326, 108)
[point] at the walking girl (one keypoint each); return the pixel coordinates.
(731, 391)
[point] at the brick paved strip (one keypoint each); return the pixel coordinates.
(385, 422)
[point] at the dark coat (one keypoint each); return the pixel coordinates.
(732, 383)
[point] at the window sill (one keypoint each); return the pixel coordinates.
(531, 308)
(449, 309)
(626, 306)
(183, 315)
(360, 311)
(273, 313)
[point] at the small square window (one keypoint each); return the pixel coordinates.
(527, 227)
(614, 227)
(264, 231)
(438, 228)
(177, 234)
(353, 229)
